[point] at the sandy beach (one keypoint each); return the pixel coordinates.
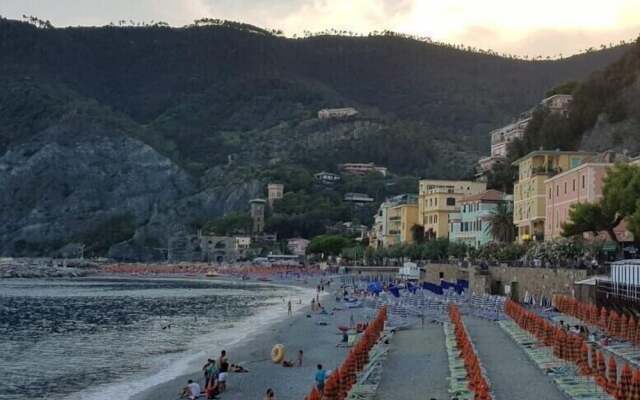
(301, 331)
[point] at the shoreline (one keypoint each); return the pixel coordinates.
(296, 332)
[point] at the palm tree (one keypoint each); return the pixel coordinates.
(500, 223)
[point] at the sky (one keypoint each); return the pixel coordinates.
(540, 27)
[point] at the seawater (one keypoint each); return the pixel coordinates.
(108, 338)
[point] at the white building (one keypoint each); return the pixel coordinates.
(337, 113)
(362, 168)
(297, 246)
(358, 198)
(558, 103)
(326, 178)
(409, 271)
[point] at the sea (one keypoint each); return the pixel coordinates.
(110, 338)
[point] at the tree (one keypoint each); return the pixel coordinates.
(500, 223)
(619, 201)
(501, 177)
(417, 233)
(328, 245)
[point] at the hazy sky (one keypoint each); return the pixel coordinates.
(546, 27)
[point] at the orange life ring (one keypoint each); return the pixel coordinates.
(277, 353)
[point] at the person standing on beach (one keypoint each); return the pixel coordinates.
(224, 369)
(320, 377)
(209, 369)
(289, 308)
(270, 395)
(300, 355)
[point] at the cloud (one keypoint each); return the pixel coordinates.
(545, 27)
(545, 42)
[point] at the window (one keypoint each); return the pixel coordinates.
(557, 190)
(565, 188)
(479, 225)
(574, 185)
(583, 183)
(549, 193)
(435, 201)
(435, 219)
(441, 275)
(451, 201)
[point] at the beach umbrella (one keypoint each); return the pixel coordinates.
(635, 386)
(593, 363)
(625, 382)
(603, 318)
(602, 370)
(612, 375)
(583, 360)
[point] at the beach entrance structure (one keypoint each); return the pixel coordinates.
(409, 271)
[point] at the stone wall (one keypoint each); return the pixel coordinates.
(435, 272)
(536, 281)
(500, 280)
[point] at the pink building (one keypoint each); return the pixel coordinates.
(582, 184)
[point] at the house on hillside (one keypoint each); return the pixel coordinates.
(358, 198)
(326, 178)
(337, 113)
(362, 168)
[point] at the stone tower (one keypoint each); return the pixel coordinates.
(275, 191)
(257, 214)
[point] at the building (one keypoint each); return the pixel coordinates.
(558, 103)
(202, 248)
(275, 191)
(362, 168)
(500, 139)
(529, 194)
(358, 198)
(438, 198)
(297, 246)
(257, 215)
(242, 243)
(337, 113)
(582, 184)
(379, 231)
(470, 224)
(379, 234)
(326, 178)
(401, 219)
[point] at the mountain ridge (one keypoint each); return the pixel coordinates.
(225, 111)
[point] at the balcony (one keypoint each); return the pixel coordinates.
(545, 171)
(394, 218)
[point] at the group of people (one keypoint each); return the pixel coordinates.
(215, 378)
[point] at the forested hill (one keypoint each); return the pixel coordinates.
(149, 127)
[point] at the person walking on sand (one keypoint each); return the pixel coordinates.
(313, 305)
(321, 375)
(289, 308)
(300, 355)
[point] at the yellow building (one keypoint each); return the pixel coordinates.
(400, 220)
(529, 195)
(438, 198)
